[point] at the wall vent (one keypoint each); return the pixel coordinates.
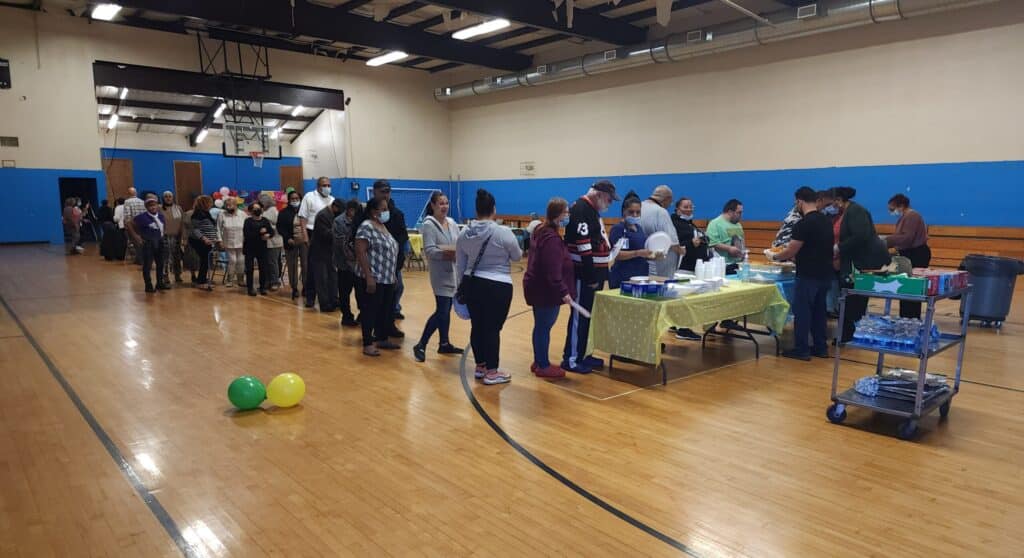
(8, 141)
(695, 36)
(804, 12)
(609, 55)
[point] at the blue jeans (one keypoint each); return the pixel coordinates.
(439, 321)
(544, 318)
(809, 315)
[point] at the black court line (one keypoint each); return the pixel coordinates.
(597, 500)
(962, 381)
(151, 501)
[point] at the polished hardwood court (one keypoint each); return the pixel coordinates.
(389, 457)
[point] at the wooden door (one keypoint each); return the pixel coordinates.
(291, 177)
(119, 178)
(188, 182)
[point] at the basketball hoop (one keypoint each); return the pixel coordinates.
(257, 158)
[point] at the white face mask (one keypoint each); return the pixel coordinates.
(325, 191)
(294, 203)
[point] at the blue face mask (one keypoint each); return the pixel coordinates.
(385, 216)
(634, 221)
(830, 210)
(563, 222)
(325, 191)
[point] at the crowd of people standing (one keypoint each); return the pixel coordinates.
(334, 248)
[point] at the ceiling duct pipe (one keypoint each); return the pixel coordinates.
(810, 19)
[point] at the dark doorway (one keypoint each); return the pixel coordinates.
(84, 189)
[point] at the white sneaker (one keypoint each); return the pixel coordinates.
(497, 377)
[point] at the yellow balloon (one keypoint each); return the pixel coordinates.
(286, 390)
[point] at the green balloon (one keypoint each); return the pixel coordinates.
(246, 392)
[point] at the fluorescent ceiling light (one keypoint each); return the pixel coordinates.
(388, 58)
(296, 110)
(124, 92)
(112, 122)
(202, 135)
(105, 12)
(220, 110)
(483, 28)
(275, 133)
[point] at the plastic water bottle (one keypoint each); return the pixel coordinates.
(745, 266)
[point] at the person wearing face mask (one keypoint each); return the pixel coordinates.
(172, 237)
(397, 227)
(291, 228)
(691, 238)
(274, 243)
(376, 255)
(725, 235)
(654, 218)
(230, 225)
(312, 204)
(147, 230)
(257, 230)
(910, 241)
(203, 238)
(828, 209)
(440, 232)
(632, 257)
(591, 255)
(549, 282)
(321, 259)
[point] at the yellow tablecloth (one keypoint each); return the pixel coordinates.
(416, 243)
(632, 327)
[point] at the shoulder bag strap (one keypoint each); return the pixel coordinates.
(472, 272)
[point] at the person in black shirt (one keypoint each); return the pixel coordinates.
(256, 230)
(811, 245)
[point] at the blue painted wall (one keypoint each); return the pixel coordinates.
(965, 194)
(154, 170)
(342, 187)
(978, 194)
(31, 208)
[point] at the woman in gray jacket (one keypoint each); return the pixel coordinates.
(440, 233)
(482, 260)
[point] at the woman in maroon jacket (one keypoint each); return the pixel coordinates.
(548, 283)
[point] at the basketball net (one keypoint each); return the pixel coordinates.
(257, 158)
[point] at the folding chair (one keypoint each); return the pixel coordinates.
(218, 260)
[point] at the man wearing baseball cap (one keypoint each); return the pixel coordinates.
(147, 231)
(591, 255)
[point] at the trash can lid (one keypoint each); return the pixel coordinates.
(988, 266)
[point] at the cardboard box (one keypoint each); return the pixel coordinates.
(942, 281)
(891, 284)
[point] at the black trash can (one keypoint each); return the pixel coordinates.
(993, 279)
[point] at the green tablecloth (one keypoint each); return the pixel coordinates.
(632, 327)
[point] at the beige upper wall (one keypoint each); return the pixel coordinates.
(398, 130)
(940, 88)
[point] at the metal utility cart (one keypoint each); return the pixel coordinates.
(911, 410)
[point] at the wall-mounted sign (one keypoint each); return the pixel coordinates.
(527, 168)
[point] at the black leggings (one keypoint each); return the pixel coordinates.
(488, 302)
(376, 311)
(203, 251)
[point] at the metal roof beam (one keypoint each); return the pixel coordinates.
(336, 25)
(538, 13)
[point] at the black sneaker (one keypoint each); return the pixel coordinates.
(419, 352)
(793, 354)
(730, 324)
(687, 335)
(396, 333)
(399, 316)
(349, 321)
(449, 349)
(822, 354)
(150, 289)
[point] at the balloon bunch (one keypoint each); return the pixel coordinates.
(226, 193)
(285, 390)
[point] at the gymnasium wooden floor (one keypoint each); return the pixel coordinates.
(390, 457)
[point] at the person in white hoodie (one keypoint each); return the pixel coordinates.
(483, 256)
(440, 232)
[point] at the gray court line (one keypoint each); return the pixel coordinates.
(151, 501)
